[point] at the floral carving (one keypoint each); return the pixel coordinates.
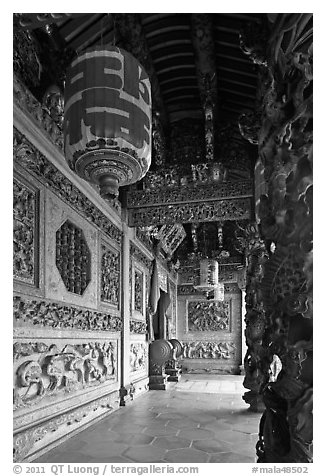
(208, 350)
(110, 276)
(73, 258)
(24, 232)
(27, 156)
(52, 371)
(208, 316)
(137, 327)
(55, 315)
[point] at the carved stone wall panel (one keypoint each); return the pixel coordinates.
(49, 371)
(28, 443)
(138, 358)
(110, 275)
(137, 327)
(208, 316)
(29, 158)
(215, 326)
(139, 291)
(219, 210)
(38, 313)
(25, 233)
(140, 269)
(57, 213)
(208, 350)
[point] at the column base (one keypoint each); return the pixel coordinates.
(174, 375)
(158, 382)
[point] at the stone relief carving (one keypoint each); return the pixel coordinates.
(52, 371)
(208, 350)
(230, 189)
(285, 277)
(55, 315)
(27, 156)
(24, 232)
(137, 327)
(138, 356)
(233, 209)
(144, 237)
(24, 441)
(73, 258)
(208, 316)
(110, 276)
(137, 254)
(138, 292)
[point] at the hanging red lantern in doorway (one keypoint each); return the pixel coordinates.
(107, 123)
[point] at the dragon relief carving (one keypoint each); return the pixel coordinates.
(50, 371)
(208, 316)
(281, 309)
(208, 350)
(24, 232)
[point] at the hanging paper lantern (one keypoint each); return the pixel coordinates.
(208, 275)
(107, 124)
(207, 280)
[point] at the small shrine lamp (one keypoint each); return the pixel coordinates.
(107, 119)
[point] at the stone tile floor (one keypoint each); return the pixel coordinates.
(201, 419)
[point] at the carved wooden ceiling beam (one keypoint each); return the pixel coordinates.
(195, 212)
(203, 43)
(133, 38)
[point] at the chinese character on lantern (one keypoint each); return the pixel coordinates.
(107, 123)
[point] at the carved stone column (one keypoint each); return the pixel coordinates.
(285, 213)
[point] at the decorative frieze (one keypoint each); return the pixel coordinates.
(27, 156)
(24, 232)
(185, 193)
(208, 350)
(24, 441)
(73, 258)
(138, 356)
(110, 276)
(188, 289)
(51, 371)
(137, 327)
(208, 316)
(218, 210)
(58, 316)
